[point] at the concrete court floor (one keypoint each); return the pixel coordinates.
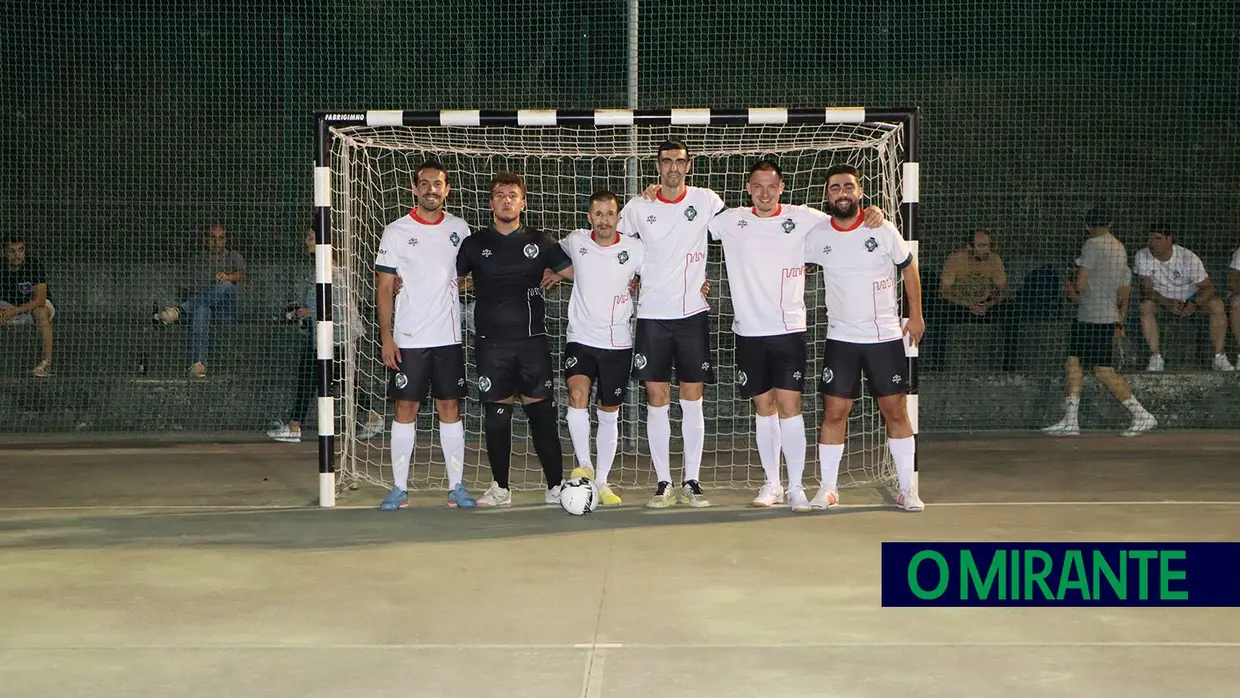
(207, 576)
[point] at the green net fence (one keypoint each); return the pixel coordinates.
(133, 126)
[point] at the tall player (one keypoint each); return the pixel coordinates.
(507, 261)
(600, 343)
(424, 351)
(864, 335)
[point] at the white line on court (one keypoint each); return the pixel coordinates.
(619, 646)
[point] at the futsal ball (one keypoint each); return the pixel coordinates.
(579, 496)
(169, 315)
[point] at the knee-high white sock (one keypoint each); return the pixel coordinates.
(829, 456)
(693, 431)
(608, 436)
(659, 434)
(766, 433)
(404, 436)
(1136, 408)
(902, 452)
(452, 441)
(792, 437)
(579, 430)
(1072, 404)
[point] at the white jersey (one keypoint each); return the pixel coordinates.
(675, 237)
(859, 283)
(765, 259)
(1235, 260)
(600, 307)
(423, 255)
(1176, 278)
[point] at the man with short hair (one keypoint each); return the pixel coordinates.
(507, 261)
(975, 285)
(24, 299)
(422, 348)
(1174, 280)
(210, 288)
(1233, 288)
(1101, 287)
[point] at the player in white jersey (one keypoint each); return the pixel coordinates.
(423, 348)
(864, 333)
(600, 341)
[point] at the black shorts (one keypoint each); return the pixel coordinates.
(763, 363)
(607, 369)
(884, 365)
(441, 369)
(1093, 343)
(508, 367)
(683, 343)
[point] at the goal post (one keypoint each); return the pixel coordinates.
(364, 161)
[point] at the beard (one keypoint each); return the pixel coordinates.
(843, 208)
(506, 218)
(430, 204)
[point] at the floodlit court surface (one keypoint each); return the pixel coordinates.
(199, 570)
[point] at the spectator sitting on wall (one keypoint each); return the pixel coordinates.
(209, 286)
(23, 297)
(1233, 290)
(975, 286)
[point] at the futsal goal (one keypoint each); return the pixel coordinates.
(363, 180)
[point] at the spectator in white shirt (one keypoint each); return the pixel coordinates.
(1173, 279)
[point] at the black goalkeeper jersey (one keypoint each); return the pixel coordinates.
(508, 271)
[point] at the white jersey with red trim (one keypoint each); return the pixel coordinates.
(859, 267)
(423, 255)
(600, 307)
(674, 232)
(765, 259)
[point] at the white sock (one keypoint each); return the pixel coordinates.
(792, 434)
(404, 436)
(1136, 408)
(452, 441)
(608, 436)
(766, 432)
(579, 429)
(693, 431)
(829, 456)
(659, 434)
(1072, 403)
(902, 452)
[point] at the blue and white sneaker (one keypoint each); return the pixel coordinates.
(460, 498)
(396, 499)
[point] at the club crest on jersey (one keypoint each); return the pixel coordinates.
(639, 361)
(401, 380)
(454, 239)
(690, 213)
(871, 245)
(530, 250)
(484, 383)
(622, 257)
(827, 375)
(570, 362)
(788, 225)
(413, 241)
(741, 378)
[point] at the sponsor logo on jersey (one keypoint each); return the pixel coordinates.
(871, 245)
(788, 225)
(690, 213)
(897, 378)
(742, 224)
(582, 251)
(486, 252)
(530, 250)
(413, 241)
(826, 249)
(622, 257)
(651, 219)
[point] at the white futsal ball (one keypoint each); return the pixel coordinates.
(579, 496)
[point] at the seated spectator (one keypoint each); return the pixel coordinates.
(210, 293)
(1174, 280)
(24, 299)
(1233, 289)
(975, 286)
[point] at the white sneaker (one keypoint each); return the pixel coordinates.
(1062, 428)
(772, 493)
(286, 435)
(1156, 363)
(1222, 364)
(1140, 425)
(797, 501)
(825, 499)
(909, 501)
(664, 496)
(495, 496)
(367, 432)
(552, 496)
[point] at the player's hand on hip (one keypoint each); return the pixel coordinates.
(549, 279)
(915, 328)
(652, 191)
(874, 217)
(391, 354)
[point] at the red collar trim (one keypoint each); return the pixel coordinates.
(854, 226)
(413, 213)
(683, 193)
(778, 209)
(614, 239)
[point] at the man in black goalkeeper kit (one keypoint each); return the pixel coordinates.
(507, 261)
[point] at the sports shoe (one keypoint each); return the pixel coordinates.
(285, 434)
(1062, 428)
(396, 499)
(367, 432)
(1221, 363)
(1156, 363)
(607, 497)
(664, 496)
(909, 501)
(460, 498)
(772, 493)
(825, 499)
(198, 370)
(1140, 425)
(552, 496)
(581, 472)
(797, 501)
(495, 496)
(44, 368)
(691, 494)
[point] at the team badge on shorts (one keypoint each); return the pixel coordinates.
(827, 375)
(570, 362)
(484, 383)
(788, 225)
(401, 380)
(871, 245)
(690, 213)
(741, 378)
(622, 257)
(639, 361)
(531, 250)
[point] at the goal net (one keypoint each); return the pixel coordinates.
(371, 178)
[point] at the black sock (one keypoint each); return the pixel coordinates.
(546, 436)
(499, 440)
